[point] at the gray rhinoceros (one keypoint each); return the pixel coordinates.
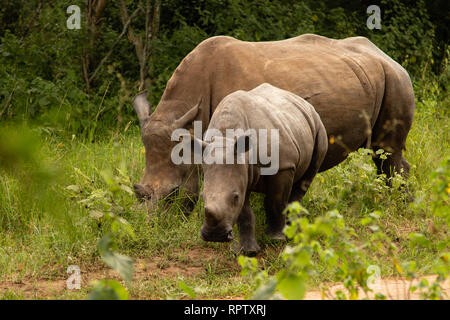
(301, 144)
(363, 97)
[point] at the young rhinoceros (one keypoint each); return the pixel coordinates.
(299, 150)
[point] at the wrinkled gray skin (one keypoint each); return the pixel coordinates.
(364, 98)
(303, 145)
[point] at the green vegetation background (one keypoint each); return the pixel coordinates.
(41, 60)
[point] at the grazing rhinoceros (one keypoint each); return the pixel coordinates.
(301, 145)
(363, 97)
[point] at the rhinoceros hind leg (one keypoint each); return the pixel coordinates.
(278, 190)
(395, 163)
(300, 187)
(393, 123)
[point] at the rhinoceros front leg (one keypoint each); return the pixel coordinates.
(278, 189)
(246, 226)
(191, 190)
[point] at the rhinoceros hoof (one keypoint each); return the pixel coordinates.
(247, 249)
(276, 235)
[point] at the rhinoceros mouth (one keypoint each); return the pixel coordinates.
(217, 236)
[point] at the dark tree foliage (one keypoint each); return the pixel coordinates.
(81, 81)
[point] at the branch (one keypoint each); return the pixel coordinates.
(32, 21)
(156, 19)
(124, 30)
(99, 8)
(124, 17)
(148, 27)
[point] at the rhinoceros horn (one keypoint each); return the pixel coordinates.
(142, 107)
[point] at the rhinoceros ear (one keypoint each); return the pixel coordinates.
(142, 107)
(188, 117)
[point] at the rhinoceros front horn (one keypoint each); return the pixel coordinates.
(142, 107)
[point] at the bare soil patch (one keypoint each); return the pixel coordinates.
(392, 288)
(184, 263)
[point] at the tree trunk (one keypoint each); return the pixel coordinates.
(94, 15)
(142, 44)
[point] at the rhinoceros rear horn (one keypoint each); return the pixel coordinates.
(142, 107)
(188, 117)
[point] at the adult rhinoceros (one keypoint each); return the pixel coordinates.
(363, 97)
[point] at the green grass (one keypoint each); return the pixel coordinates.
(44, 228)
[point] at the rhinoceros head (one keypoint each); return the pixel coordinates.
(161, 176)
(224, 194)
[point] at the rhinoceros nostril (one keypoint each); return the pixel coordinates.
(230, 235)
(140, 192)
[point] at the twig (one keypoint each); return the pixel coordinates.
(101, 103)
(62, 102)
(125, 27)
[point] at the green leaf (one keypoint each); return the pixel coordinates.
(126, 189)
(122, 264)
(43, 101)
(334, 214)
(265, 291)
(376, 214)
(423, 283)
(108, 290)
(419, 239)
(330, 257)
(290, 231)
(292, 287)
(380, 296)
(340, 295)
(74, 188)
(96, 214)
(365, 221)
(303, 258)
(248, 265)
(122, 227)
(190, 292)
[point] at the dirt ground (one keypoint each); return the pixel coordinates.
(391, 288)
(192, 265)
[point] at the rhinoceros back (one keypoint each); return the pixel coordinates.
(354, 87)
(269, 108)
